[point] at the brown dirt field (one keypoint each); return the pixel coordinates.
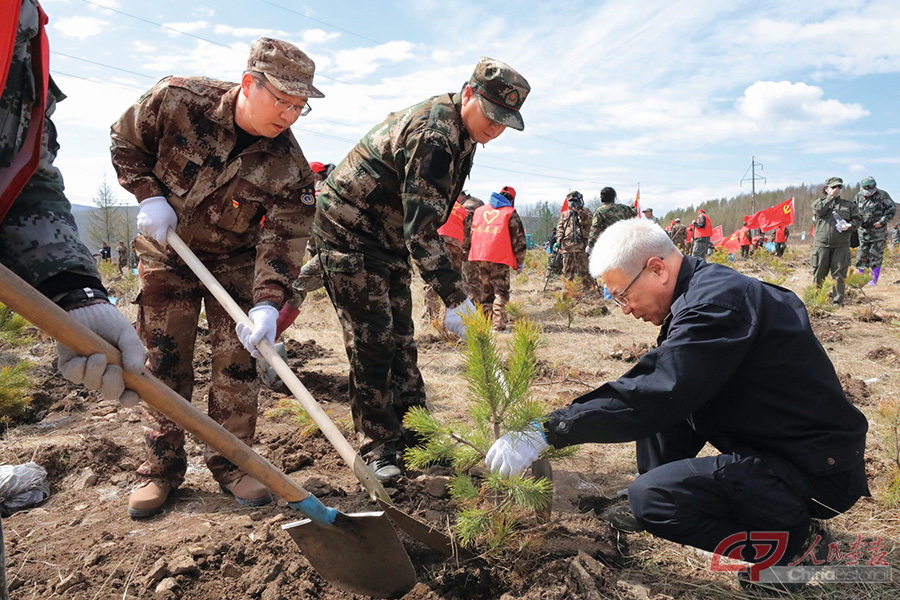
(80, 543)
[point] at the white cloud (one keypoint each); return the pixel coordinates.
(318, 36)
(782, 101)
(857, 168)
(106, 4)
(364, 61)
(81, 27)
(204, 59)
(187, 26)
(253, 32)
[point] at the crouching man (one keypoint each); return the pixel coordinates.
(791, 444)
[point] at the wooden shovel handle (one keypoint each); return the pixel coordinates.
(58, 324)
(319, 416)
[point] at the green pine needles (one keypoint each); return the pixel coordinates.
(495, 514)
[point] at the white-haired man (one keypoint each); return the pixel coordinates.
(791, 444)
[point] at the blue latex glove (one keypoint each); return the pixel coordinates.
(313, 508)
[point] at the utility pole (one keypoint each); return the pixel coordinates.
(752, 179)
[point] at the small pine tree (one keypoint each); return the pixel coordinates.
(818, 299)
(12, 326)
(14, 385)
(493, 511)
(567, 300)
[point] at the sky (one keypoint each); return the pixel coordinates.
(675, 97)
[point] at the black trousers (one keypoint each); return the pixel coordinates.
(701, 502)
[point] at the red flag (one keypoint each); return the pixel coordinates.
(565, 205)
(717, 235)
(637, 204)
(732, 243)
(752, 221)
(780, 214)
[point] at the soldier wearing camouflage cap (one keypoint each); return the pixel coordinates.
(834, 219)
(38, 238)
(380, 208)
(210, 159)
(608, 213)
(876, 209)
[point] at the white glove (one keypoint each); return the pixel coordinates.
(265, 324)
(93, 371)
(453, 319)
(514, 452)
(156, 216)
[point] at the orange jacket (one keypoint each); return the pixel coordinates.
(491, 241)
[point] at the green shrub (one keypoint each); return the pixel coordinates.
(12, 327)
(15, 381)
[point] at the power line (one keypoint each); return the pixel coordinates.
(143, 20)
(124, 87)
(102, 64)
(305, 16)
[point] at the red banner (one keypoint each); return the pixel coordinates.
(717, 235)
(769, 218)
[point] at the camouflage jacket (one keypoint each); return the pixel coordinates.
(471, 204)
(175, 142)
(38, 237)
(827, 235)
(877, 208)
(396, 187)
(678, 233)
(570, 237)
(606, 215)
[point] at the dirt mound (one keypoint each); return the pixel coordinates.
(856, 390)
(883, 353)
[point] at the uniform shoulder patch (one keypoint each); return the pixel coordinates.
(308, 196)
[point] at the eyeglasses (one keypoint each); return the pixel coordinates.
(282, 104)
(620, 298)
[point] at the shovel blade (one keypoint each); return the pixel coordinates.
(360, 553)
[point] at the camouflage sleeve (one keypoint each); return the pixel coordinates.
(427, 196)
(517, 236)
(135, 144)
(585, 223)
(596, 228)
(282, 244)
(855, 218)
(890, 209)
(561, 227)
(467, 233)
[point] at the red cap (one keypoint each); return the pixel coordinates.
(317, 167)
(509, 190)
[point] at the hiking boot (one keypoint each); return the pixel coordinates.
(247, 491)
(813, 552)
(385, 467)
(149, 498)
(621, 519)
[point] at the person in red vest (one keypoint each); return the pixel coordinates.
(38, 238)
(498, 245)
(780, 238)
(703, 227)
(746, 240)
(452, 232)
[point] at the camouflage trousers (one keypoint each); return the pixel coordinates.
(434, 306)
(374, 305)
(831, 261)
(870, 253)
(169, 306)
(492, 292)
(575, 268)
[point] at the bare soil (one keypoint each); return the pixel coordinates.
(80, 543)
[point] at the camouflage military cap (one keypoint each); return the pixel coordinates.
(868, 182)
(285, 66)
(832, 181)
(501, 92)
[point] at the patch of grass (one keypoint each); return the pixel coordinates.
(15, 381)
(12, 327)
(293, 411)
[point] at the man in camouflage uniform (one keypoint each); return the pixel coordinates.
(608, 213)
(876, 209)
(453, 235)
(497, 245)
(210, 159)
(38, 237)
(678, 235)
(835, 219)
(572, 236)
(648, 214)
(381, 207)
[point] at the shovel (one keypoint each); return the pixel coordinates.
(415, 528)
(360, 553)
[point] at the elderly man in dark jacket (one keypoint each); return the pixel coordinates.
(791, 445)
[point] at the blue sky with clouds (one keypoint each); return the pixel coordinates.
(674, 95)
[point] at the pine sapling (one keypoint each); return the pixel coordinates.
(495, 514)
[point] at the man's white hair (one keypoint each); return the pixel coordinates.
(628, 245)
